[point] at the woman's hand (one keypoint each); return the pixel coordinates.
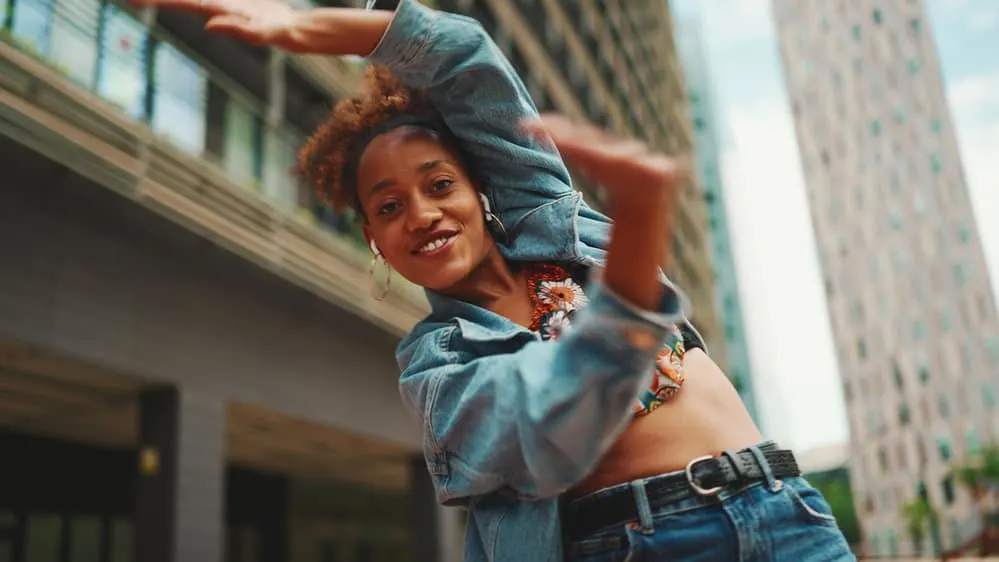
(633, 176)
(322, 31)
(641, 186)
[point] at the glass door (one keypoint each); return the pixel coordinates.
(8, 530)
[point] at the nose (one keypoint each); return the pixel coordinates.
(423, 214)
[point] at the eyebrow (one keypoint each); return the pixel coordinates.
(426, 166)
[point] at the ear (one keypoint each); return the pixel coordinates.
(371, 241)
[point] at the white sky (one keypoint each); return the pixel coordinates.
(794, 365)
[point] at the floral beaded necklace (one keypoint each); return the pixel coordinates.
(556, 298)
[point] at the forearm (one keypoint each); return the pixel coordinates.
(637, 246)
(339, 31)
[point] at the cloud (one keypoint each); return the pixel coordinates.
(779, 278)
(730, 23)
(974, 94)
(974, 102)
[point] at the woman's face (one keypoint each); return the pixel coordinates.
(421, 209)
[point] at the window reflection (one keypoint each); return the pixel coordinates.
(179, 99)
(123, 66)
(32, 21)
(73, 40)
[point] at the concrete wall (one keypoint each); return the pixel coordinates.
(87, 274)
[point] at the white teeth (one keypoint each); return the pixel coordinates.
(431, 246)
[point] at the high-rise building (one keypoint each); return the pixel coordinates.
(912, 312)
(707, 142)
(613, 63)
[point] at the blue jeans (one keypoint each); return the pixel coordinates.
(780, 520)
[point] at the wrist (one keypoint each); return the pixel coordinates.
(336, 31)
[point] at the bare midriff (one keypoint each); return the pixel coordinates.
(705, 418)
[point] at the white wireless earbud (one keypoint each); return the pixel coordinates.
(485, 203)
(374, 248)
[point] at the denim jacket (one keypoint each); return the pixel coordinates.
(511, 421)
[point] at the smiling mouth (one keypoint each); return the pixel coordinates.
(436, 246)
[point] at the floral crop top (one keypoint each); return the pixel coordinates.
(556, 297)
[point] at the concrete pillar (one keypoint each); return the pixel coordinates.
(180, 492)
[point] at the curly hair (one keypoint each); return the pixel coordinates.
(325, 160)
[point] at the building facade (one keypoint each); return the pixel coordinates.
(707, 144)
(613, 63)
(913, 315)
(191, 366)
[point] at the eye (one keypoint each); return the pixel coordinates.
(441, 185)
(388, 208)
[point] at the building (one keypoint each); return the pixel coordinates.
(613, 63)
(912, 312)
(191, 366)
(708, 147)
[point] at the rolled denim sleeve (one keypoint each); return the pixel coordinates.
(479, 95)
(536, 420)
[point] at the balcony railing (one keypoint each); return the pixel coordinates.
(140, 113)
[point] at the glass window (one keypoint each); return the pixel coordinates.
(861, 349)
(44, 537)
(936, 126)
(946, 321)
(943, 406)
(943, 444)
(914, 65)
(279, 185)
(915, 24)
(919, 203)
(895, 219)
(899, 115)
(121, 541)
(892, 540)
(122, 75)
(903, 414)
(31, 25)
(876, 127)
(988, 396)
(180, 93)
(947, 486)
(960, 275)
(877, 16)
(240, 155)
(935, 163)
(971, 439)
(964, 233)
(85, 539)
(992, 347)
(855, 31)
(73, 39)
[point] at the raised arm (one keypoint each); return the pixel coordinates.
(473, 86)
(478, 93)
(537, 420)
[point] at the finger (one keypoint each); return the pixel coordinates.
(199, 6)
(233, 24)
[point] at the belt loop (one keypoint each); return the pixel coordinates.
(768, 473)
(733, 458)
(642, 503)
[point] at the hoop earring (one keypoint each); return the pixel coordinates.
(491, 218)
(373, 285)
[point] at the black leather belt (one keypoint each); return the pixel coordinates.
(704, 477)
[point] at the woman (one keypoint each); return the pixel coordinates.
(566, 401)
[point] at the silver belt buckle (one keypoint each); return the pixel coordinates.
(701, 491)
